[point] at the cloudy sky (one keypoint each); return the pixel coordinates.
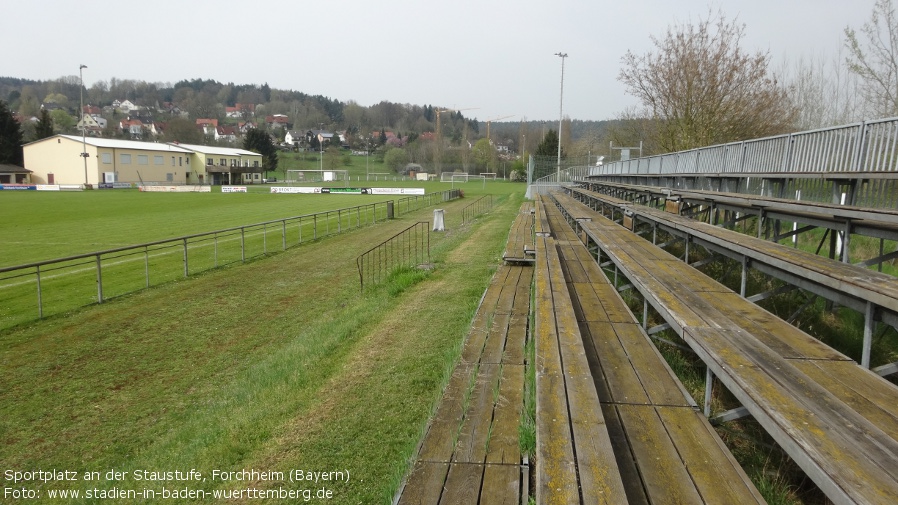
(494, 57)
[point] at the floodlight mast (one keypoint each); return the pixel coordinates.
(560, 115)
(83, 126)
(438, 155)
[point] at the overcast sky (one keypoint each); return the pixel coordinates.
(495, 57)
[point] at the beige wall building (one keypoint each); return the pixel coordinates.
(57, 160)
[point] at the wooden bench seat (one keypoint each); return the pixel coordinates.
(575, 461)
(665, 449)
(848, 452)
(471, 451)
(519, 247)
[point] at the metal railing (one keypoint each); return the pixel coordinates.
(813, 165)
(481, 205)
(410, 246)
(40, 289)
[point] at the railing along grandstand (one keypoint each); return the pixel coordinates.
(41, 289)
(481, 205)
(409, 247)
(812, 165)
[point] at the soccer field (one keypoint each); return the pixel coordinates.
(46, 225)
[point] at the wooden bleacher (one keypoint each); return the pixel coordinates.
(848, 284)
(471, 453)
(838, 421)
(519, 247)
(666, 451)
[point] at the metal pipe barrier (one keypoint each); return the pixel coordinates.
(480, 206)
(410, 246)
(40, 289)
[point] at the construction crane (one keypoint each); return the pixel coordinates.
(488, 121)
(438, 154)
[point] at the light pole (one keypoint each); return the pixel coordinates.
(83, 129)
(560, 114)
(321, 149)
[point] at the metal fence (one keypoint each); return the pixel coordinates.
(811, 165)
(481, 205)
(41, 289)
(409, 247)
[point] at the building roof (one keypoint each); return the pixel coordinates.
(13, 169)
(224, 151)
(119, 144)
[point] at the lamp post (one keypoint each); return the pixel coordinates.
(560, 114)
(321, 149)
(83, 129)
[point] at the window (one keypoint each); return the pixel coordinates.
(210, 162)
(143, 159)
(255, 164)
(125, 159)
(169, 177)
(158, 160)
(107, 158)
(222, 162)
(180, 160)
(172, 161)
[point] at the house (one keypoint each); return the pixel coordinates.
(276, 121)
(131, 127)
(294, 137)
(57, 160)
(241, 110)
(156, 128)
(93, 110)
(246, 126)
(12, 174)
(127, 106)
(91, 125)
(207, 126)
(226, 133)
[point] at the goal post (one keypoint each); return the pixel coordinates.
(317, 175)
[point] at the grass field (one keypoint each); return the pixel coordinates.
(277, 365)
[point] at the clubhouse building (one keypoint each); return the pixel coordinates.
(58, 160)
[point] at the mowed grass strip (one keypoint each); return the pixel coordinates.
(276, 365)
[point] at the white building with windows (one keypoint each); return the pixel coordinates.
(58, 160)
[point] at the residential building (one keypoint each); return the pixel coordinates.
(57, 160)
(276, 121)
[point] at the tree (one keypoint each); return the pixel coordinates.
(396, 158)
(876, 61)
(549, 145)
(44, 126)
(484, 154)
(702, 89)
(179, 129)
(258, 141)
(62, 121)
(10, 138)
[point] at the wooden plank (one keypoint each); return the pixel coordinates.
(496, 338)
(654, 452)
(847, 456)
(626, 463)
(556, 476)
(787, 340)
(515, 340)
(865, 392)
(617, 313)
(657, 379)
(622, 380)
(591, 307)
(425, 484)
(504, 443)
(715, 473)
(462, 484)
(440, 437)
(501, 485)
(475, 430)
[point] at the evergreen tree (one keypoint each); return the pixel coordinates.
(259, 141)
(549, 145)
(44, 126)
(383, 136)
(10, 138)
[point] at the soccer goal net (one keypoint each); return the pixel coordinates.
(459, 177)
(317, 175)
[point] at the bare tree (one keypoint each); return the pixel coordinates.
(826, 94)
(876, 60)
(700, 88)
